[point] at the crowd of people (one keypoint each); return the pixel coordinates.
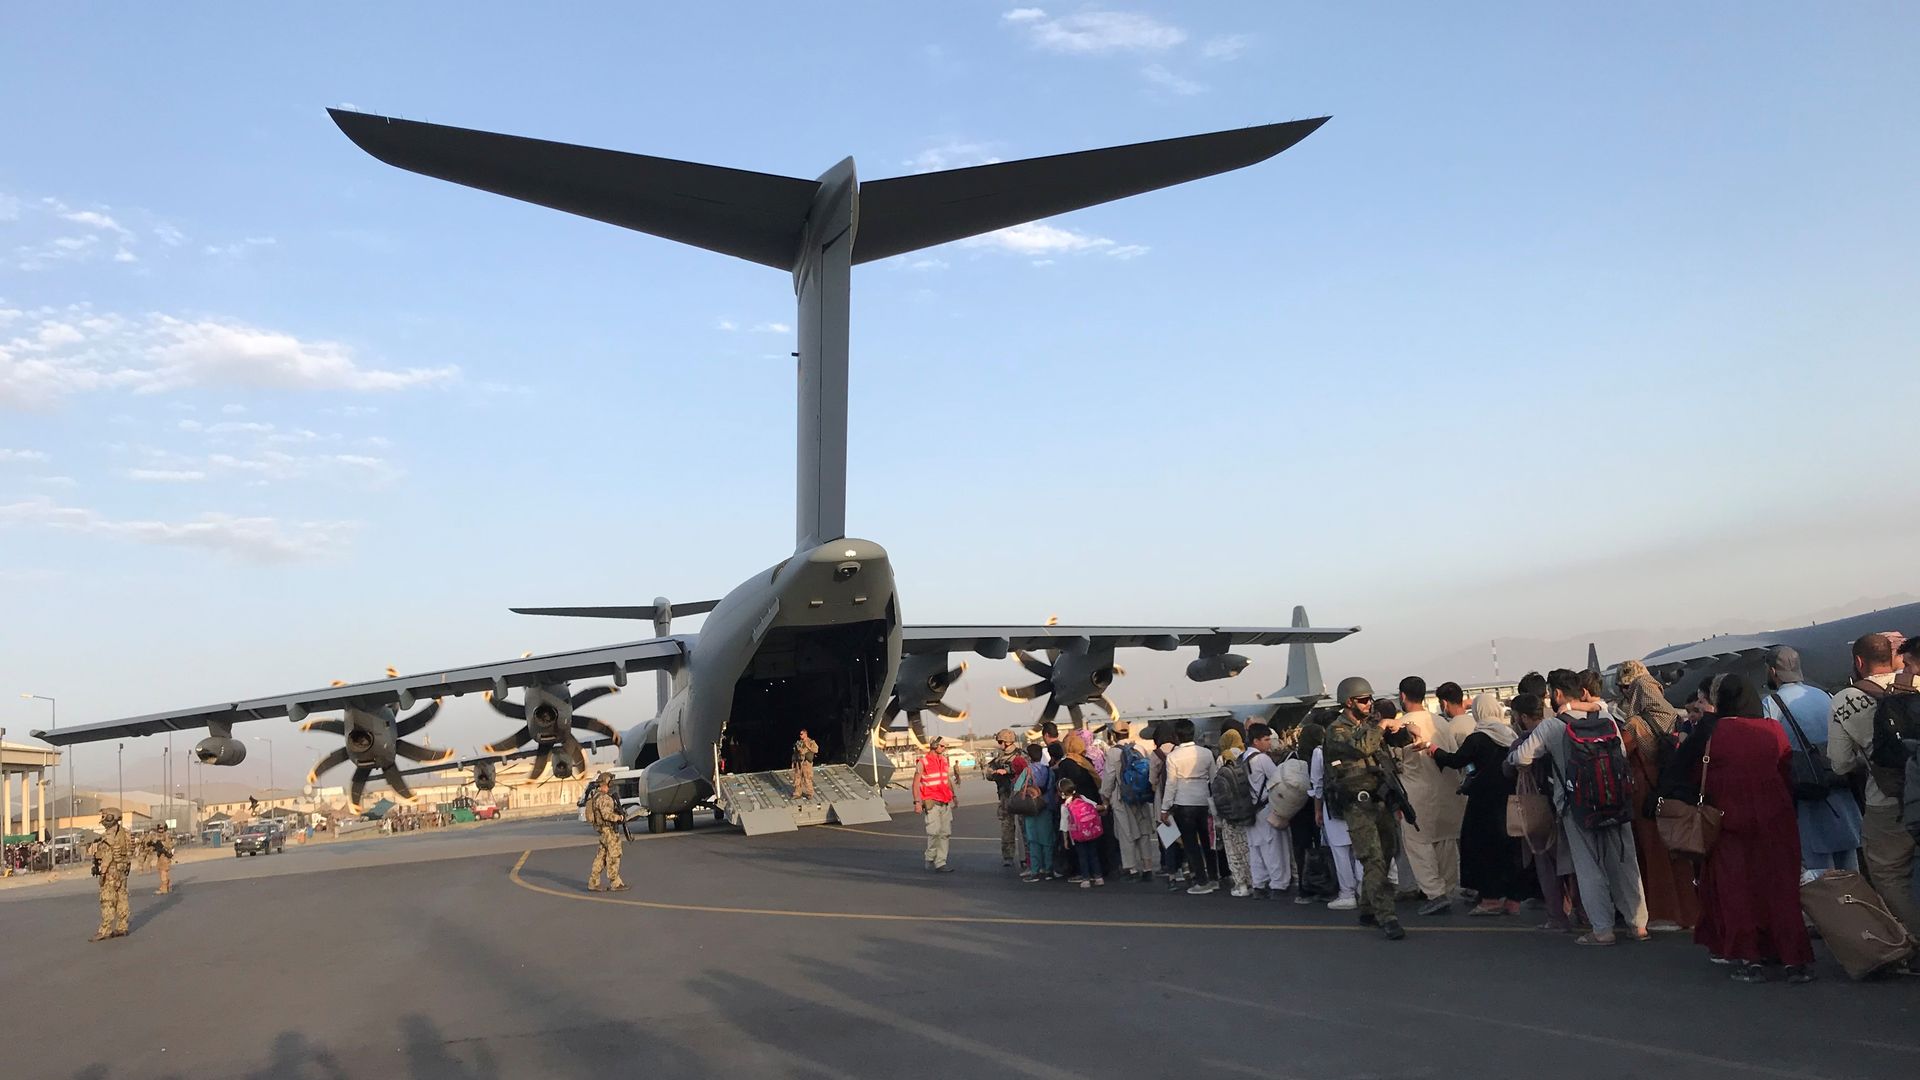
(1608, 812)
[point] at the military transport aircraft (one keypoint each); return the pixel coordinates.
(1281, 709)
(816, 640)
(1826, 652)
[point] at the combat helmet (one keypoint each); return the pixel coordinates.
(109, 813)
(1351, 687)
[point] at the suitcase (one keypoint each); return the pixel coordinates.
(1855, 923)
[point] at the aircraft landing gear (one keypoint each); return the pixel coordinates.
(683, 821)
(656, 823)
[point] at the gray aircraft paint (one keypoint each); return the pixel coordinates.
(834, 589)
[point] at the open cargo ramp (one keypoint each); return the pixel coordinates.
(763, 802)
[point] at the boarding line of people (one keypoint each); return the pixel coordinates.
(1552, 802)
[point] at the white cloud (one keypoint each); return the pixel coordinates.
(56, 481)
(233, 410)
(125, 256)
(1087, 32)
(75, 350)
(93, 219)
(927, 264)
(757, 328)
(169, 235)
(1226, 46)
(239, 247)
(166, 476)
(257, 539)
(1038, 239)
(275, 466)
(1168, 81)
(725, 324)
(951, 154)
(22, 455)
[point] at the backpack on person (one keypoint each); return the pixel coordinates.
(1083, 820)
(1136, 776)
(1598, 779)
(1232, 791)
(1896, 723)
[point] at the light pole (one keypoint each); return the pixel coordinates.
(53, 712)
(120, 766)
(269, 742)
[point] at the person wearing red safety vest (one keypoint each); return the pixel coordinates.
(934, 786)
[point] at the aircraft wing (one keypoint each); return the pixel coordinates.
(588, 745)
(996, 641)
(615, 661)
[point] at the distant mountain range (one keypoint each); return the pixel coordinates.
(1519, 655)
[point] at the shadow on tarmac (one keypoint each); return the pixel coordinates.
(146, 913)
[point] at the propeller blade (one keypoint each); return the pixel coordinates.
(359, 787)
(1027, 693)
(331, 727)
(588, 723)
(1113, 711)
(1079, 718)
(575, 753)
(592, 694)
(1052, 710)
(917, 729)
(941, 682)
(893, 711)
(511, 742)
(1118, 670)
(410, 724)
(416, 752)
(511, 709)
(325, 763)
(398, 783)
(1036, 667)
(941, 708)
(539, 763)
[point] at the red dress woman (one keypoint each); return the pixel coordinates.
(1750, 885)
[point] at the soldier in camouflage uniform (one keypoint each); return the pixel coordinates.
(114, 852)
(804, 751)
(1004, 768)
(161, 844)
(1358, 787)
(603, 813)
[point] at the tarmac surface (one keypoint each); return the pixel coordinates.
(477, 953)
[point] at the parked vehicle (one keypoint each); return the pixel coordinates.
(262, 839)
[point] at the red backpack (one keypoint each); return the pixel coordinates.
(1598, 778)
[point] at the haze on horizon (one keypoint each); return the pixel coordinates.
(1554, 328)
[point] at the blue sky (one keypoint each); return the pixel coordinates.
(1555, 326)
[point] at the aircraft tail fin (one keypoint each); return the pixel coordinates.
(907, 213)
(1593, 658)
(1303, 666)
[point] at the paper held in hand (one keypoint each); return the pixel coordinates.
(1169, 834)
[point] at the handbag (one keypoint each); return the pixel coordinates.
(1530, 814)
(1029, 801)
(1690, 829)
(1812, 774)
(1317, 876)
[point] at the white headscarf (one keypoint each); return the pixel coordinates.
(1490, 719)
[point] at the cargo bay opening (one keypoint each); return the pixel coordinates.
(826, 679)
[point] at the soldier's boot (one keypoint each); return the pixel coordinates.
(593, 883)
(101, 935)
(1393, 930)
(616, 885)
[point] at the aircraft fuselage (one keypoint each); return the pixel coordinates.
(812, 642)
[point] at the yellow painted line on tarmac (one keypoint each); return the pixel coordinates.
(977, 920)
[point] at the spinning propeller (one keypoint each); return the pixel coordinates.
(550, 726)
(376, 739)
(1073, 675)
(921, 687)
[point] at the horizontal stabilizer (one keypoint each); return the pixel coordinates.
(680, 611)
(907, 213)
(749, 215)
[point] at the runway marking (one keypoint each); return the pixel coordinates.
(977, 920)
(1537, 1029)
